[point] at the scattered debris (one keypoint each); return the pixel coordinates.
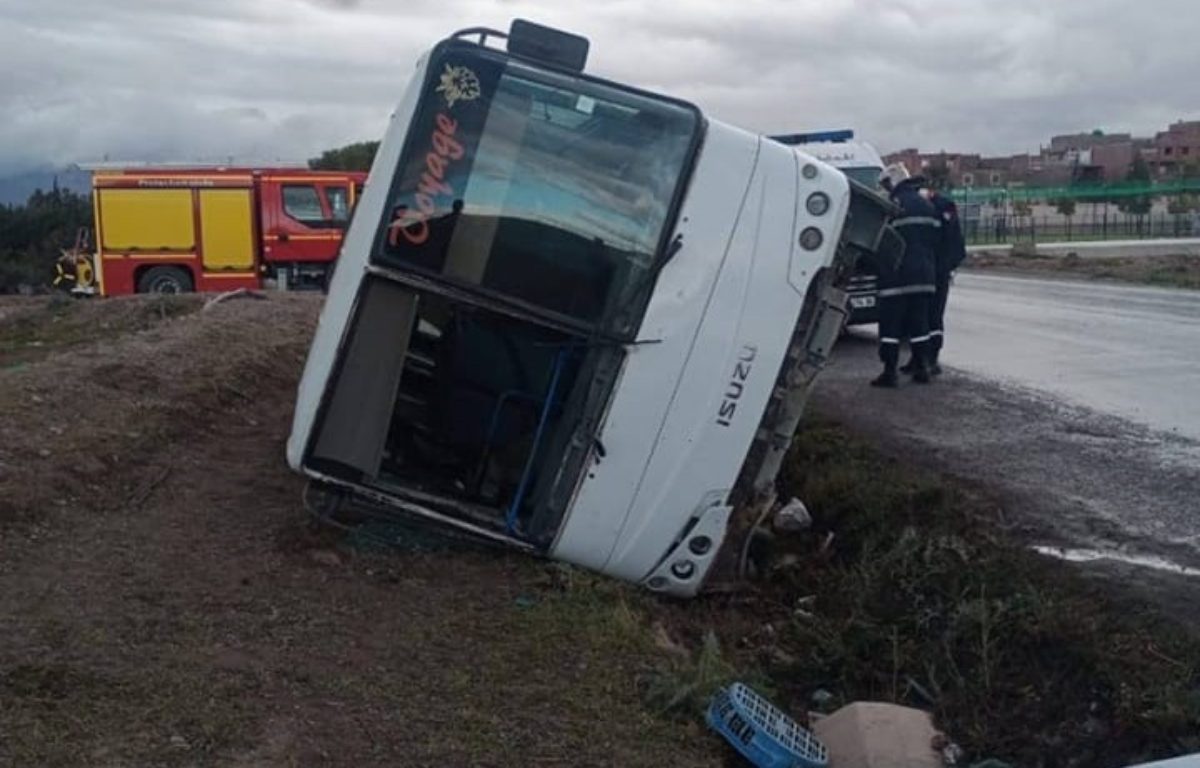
(803, 606)
(240, 293)
(664, 642)
(821, 698)
(762, 733)
(326, 557)
(787, 561)
(792, 517)
(952, 754)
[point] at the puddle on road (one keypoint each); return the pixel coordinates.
(1098, 555)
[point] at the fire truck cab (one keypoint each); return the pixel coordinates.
(173, 230)
(573, 316)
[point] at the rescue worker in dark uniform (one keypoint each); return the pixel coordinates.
(906, 288)
(951, 253)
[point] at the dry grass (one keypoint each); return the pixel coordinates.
(1179, 271)
(34, 328)
(926, 599)
(162, 601)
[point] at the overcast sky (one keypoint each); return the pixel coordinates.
(283, 79)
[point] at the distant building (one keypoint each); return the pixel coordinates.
(1092, 156)
(962, 169)
(1069, 158)
(1176, 147)
(912, 158)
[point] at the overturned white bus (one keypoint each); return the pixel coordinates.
(573, 316)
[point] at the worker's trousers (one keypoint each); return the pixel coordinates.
(900, 317)
(937, 317)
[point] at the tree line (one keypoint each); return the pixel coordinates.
(352, 157)
(34, 235)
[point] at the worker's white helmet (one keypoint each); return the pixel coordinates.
(893, 175)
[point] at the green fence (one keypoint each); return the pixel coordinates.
(1082, 227)
(1097, 193)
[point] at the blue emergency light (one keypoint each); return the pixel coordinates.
(815, 137)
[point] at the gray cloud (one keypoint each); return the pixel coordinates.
(283, 79)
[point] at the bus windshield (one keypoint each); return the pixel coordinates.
(541, 187)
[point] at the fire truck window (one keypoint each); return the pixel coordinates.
(339, 205)
(302, 203)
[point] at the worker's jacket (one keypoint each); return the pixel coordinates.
(953, 247)
(919, 224)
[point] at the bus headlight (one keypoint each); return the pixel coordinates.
(683, 570)
(811, 239)
(818, 203)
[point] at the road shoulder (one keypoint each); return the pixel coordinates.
(1180, 270)
(1069, 477)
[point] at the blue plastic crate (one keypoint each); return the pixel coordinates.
(762, 733)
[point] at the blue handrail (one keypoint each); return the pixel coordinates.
(510, 519)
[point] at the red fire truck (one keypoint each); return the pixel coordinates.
(174, 230)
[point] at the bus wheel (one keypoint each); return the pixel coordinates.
(165, 280)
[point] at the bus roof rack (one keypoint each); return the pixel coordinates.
(482, 32)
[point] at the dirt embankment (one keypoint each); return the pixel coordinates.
(163, 602)
(1178, 271)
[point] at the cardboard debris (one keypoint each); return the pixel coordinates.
(877, 735)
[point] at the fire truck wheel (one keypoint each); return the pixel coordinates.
(165, 280)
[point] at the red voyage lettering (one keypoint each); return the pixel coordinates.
(414, 225)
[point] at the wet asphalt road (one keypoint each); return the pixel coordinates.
(1078, 405)
(1128, 351)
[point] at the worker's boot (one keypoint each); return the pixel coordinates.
(934, 368)
(887, 379)
(920, 372)
(908, 368)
